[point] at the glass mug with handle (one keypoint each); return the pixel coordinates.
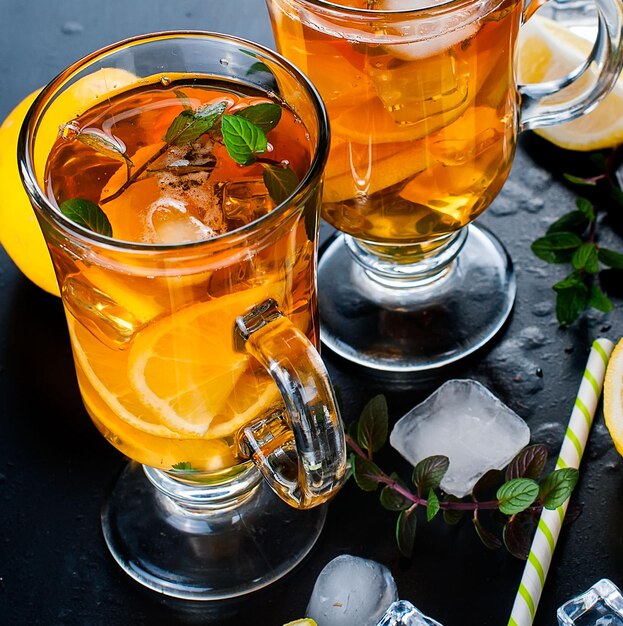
(425, 112)
(180, 205)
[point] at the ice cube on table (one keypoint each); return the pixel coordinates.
(403, 613)
(464, 421)
(601, 605)
(351, 590)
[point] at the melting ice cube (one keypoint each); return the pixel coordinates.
(464, 421)
(245, 200)
(169, 221)
(601, 605)
(351, 590)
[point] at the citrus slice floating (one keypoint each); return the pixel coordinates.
(185, 368)
(613, 397)
(548, 50)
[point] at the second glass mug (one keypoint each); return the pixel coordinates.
(194, 358)
(425, 112)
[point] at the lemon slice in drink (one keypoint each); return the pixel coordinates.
(548, 50)
(185, 368)
(613, 397)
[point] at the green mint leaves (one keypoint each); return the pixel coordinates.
(573, 240)
(244, 134)
(515, 503)
(88, 215)
(190, 124)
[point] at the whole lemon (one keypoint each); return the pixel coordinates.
(19, 231)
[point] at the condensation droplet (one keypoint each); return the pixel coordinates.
(165, 81)
(224, 62)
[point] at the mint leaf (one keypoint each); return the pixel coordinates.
(183, 466)
(243, 139)
(556, 247)
(571, 300)
(611, 258)
(406, 527)
(364, 472)
(429, 472)
(488, 539)
(528, 463)
(579, 181)
(107, 145)
(452, 516)
(280, 182)
(183, 98)
(265, 116)
(391, 499)
(189, 125)
(87, 214)
(574, 222)
(557, 487)
(586, 208)
(599, 300)
(585, 257)
(432, 505)
(373, 426)
(516, 495)
(518, 533)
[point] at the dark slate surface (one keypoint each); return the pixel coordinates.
(55, 468)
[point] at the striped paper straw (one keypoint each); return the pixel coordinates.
(546, 536)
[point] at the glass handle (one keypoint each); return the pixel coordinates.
(607, 58)
(301, 451)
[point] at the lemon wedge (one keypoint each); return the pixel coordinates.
(613, 396)
(547, 50)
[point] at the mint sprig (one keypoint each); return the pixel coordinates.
(573, 240)
(243, 133)
(518, 501)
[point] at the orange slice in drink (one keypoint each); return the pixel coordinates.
(185, 368)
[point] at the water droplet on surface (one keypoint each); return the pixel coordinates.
(224, 62)
(165, 81)
(72, 28)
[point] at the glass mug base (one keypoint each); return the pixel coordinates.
(423, 325)
(196, 551)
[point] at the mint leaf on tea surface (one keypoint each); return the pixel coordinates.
(189, 125)
(280, 182)
(265, 116)
(87, 214)
(109, 146)
(373, 424)
(243, 139)
(517, 495)
(557, 487)
(183, 98)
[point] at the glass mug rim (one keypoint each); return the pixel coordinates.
(422, 7)
(37, 111)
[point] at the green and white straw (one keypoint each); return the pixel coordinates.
(546, 536)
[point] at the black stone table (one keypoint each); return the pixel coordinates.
(55, 468)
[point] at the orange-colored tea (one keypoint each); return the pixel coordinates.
(153, 340)
(422, 113)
